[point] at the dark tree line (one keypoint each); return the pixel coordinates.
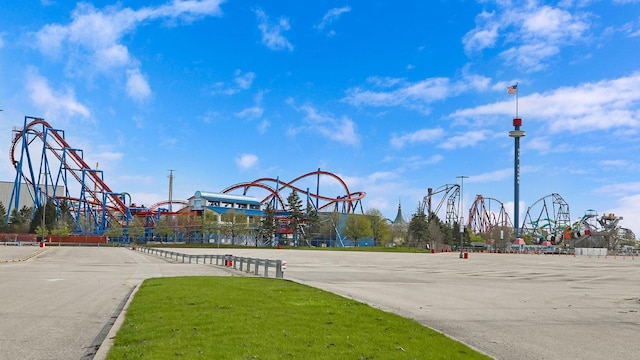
(428, 229)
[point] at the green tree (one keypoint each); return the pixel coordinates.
(294, 205)
(268, 224)
(64, 216)
(15, 221)
(380, 228)
(418, 228)
(135, 229)
(3, 218)
(210, 224)
(61, 229)
(114, 230)
(41, 232)
(49, 218)
(189, 225)
(233, 224)
(357, 227)
(312, 223)
(436, 231)
(163, 228)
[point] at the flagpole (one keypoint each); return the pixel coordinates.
(516, 99)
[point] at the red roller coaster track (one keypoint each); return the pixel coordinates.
(349, 201)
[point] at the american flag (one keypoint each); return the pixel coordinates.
(512, 89)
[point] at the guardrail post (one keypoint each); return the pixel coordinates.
(266, 268)
(241, 263)
(279, 274)
(256, 267)
(235, 262)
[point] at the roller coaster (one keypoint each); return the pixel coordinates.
(48, 168)
(348, 202)
(45, 162)
(547, 220)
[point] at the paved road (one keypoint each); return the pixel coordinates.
(507, 306)
(59, 304)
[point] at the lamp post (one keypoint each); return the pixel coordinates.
(44, 206)
(461, 217)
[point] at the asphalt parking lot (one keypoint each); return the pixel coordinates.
(61, 303)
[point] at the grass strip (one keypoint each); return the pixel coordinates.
(259, 318)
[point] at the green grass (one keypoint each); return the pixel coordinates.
(258, 318)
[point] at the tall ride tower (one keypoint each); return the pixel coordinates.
(516, 134)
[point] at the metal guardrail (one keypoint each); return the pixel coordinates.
(248, 265)
(51, 244)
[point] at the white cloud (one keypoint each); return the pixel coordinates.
(389, 92)
(484, 35)
(253, 112)
(244, 81)
(531, 34)
(241, 81)
(137, 86)
(630, 207)
(492, 176)
(607, 104)
(91, 43)
(263, 126)
(419, 136)
(467, 139)
(54, 103)
(272, 33)
(340, 129)
(331, 16)
(246, 161)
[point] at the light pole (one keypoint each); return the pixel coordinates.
(461, 217)
(44, 206)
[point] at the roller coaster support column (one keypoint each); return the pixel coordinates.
(461, 217)
(516, 134)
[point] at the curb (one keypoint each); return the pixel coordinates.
(36, 253)
(103, 350)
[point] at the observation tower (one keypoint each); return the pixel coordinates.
(516, 134)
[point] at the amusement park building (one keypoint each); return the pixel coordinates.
(24, 198)
(223, 203)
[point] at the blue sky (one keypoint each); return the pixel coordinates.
(395, 97)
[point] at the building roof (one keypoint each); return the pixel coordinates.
(399, 219)
(238, 199)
